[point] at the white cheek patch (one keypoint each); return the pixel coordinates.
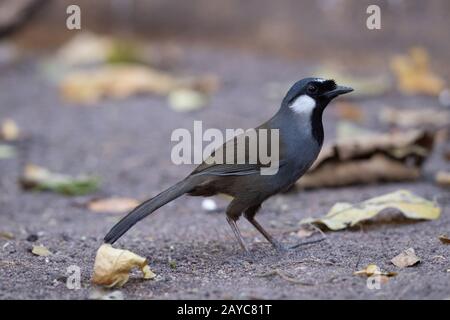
(303, 104)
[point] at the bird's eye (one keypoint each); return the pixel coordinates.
(312, 89)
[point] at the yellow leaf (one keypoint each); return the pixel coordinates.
(148, 274)
(123, 80)
(112, 266)
(413, 74)
(343, 214)
(373, 269)
(41, 251)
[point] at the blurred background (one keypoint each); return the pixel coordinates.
(298, 29)
(86, 117)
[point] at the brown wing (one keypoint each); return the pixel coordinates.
(237, 156)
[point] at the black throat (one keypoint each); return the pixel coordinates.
(317, 126)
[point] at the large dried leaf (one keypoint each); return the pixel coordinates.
(41, 179)
(425, 117)
(343, 214)
(405, 259)
(123, 80)
(381, 157)
(112, 266)
(414, 75)
(112, 205)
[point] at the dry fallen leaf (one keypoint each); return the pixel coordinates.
(443, 178)
(414, 75)
(427, 117)
(343, 214)
(113, 205)
(9, 131)
(112, 266)
(407, 258)
(395, 156)
(373, 269)
(6, 235)
(444, 239)
(39, 178)
(123, 80)
(41, 251)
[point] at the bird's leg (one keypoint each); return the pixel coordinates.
(278, 246)
(237, 234)
(250, 216)
(234, 211)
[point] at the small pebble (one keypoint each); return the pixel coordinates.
(209, 205)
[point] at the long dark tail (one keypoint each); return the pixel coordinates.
(149, 206)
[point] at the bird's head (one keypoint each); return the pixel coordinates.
(312, 94)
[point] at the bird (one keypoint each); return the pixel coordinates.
(298, 122)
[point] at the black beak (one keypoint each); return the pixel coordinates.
(337, 92)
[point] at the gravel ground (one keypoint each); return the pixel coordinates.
(127, 144)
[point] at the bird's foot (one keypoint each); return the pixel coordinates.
(249, 257)
(279, 247)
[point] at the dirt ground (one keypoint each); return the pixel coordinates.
(127, 144)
